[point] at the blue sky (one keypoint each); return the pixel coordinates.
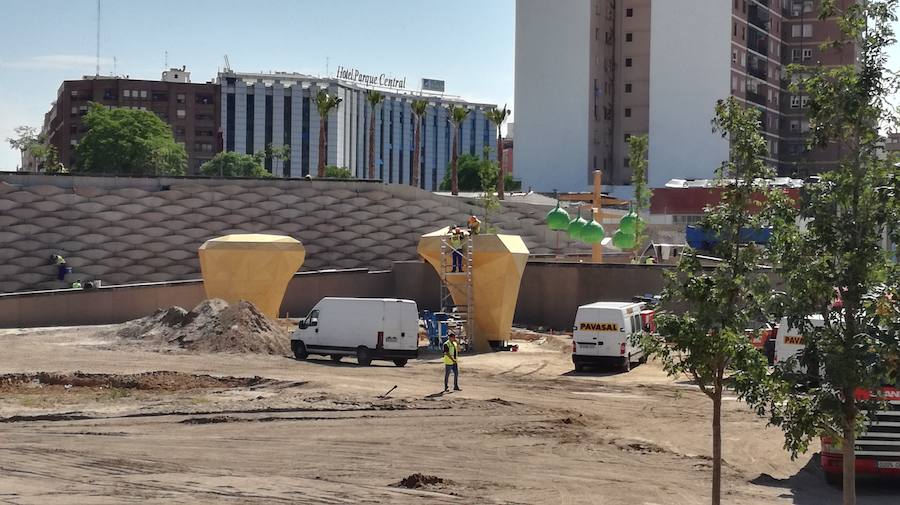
(468, 43)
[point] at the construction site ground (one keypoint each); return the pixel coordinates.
(145, 426)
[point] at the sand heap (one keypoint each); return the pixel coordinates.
(212, 326)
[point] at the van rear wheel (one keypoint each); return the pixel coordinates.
(626, 363)
(401, 362)
(364, 356)
(299, 349)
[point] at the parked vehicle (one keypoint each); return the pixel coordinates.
(368, 328)
(602, 331)
(878, 447)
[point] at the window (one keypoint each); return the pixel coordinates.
(179, 98)
(795, 102)
(179, 131)
(143, 93)
(795, 126)
(807, 54)
(74, 93)
(628, 87)
(627, 136)
(629, 37)
(73, 129)
(126, 93)
(795, 55)
(734, 56)
(804, 100)
(180, 113)
(203, 98)
(807, 30)
(627, 112)
(629, 13)
(74, 110)
(743, 33)
(734, 30)
(802, 30)
(159, 96)
(626, 162)
(73, 142)
(734, 83)
(628, 62)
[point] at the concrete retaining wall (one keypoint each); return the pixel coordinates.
(549, 295)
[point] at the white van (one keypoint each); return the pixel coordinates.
(602, 331)
(789, 341)
(368, 328)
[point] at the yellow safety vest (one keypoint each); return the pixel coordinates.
(452, 354)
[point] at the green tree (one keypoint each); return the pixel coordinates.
(374, 98)
(457, 114)
(335, 172)
(278, 154)
(474, 174)
(847, 214)
(418, 109)
(498, 116)
(129, 142)
(232, 164)
(707, 340)
(34, 144)
(324, 103)
(637, 146)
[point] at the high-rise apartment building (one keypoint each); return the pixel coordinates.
(191, 110)
(592, 73)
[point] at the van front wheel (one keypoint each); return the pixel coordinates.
(299, 349)
(401, 362)
(364, 356)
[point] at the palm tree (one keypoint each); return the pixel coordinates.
(498, 116)
(324, 102)
(418, 109)
(457, 114)
(374, 98)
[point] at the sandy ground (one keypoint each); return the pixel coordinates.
(525, 429)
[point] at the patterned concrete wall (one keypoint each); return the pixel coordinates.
(128, 230)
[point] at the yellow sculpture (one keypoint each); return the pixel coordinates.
(499, 261)
(251, 267)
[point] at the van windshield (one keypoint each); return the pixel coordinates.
(314, 314)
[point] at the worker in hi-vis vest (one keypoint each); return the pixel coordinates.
(451, 362)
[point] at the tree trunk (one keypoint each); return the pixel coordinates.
(501, 176)
(454, 159)
(372, 144)
(414, 177)
(849, 451)
(717, 445)
(323, 136)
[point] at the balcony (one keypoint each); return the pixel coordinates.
(758, 71)
(759, 18)
(756, 98)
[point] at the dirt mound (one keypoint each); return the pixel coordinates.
(212, 326)
(418, 480)
(168, 381)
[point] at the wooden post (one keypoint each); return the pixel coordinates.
(597, 211)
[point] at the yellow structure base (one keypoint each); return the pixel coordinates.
(499, 261)
(252, 267)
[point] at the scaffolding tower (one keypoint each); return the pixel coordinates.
(462, 281)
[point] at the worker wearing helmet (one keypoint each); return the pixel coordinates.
(451, 362)
(474, 225)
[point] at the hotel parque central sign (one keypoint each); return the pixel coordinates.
(352, 74)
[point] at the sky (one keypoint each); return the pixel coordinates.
(468, 43)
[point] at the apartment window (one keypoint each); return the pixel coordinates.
(807, 54)
(734, 83)
(627, 137)
(743, 33)
(795, 126)
(795, 54)
(802, 30)
(180, 114)
(628, 87)
(179, 131)
(73, 142)
(743, 60)
(629, 37)
(73, 129)
(629, 13)
(143, 93)
(804, 100)
(126, 93)
(628, 62)
(627, 112)
(795, 102)
(74, 110)
(626, 162)
(734, 56)
(179, 98)
(203, 98)
(734, 30)
(159, 96)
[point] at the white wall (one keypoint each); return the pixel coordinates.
(690, 57)
(552, 93)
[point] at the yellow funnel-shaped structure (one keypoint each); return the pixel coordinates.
(499, 261)
(251, 267)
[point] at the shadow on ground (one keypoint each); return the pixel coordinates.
(808, 487)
